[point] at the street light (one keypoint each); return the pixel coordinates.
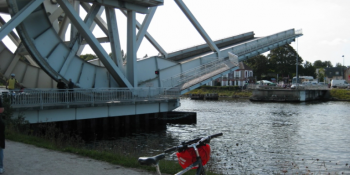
(297, 83)
(343, 68)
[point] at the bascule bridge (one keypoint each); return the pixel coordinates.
(116, 85)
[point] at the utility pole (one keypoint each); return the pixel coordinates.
(297, 65)
(343, 69)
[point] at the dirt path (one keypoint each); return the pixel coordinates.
(22, 158)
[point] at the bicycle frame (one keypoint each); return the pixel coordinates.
(200, 169)
(153, 161)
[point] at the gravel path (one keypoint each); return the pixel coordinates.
(22, 158)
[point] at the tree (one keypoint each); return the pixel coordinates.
(308, 69)
(339, 65)
(329, 64)
(283, 60)
(259, 64)
(88, 57)
(320, 64)
(321, 75)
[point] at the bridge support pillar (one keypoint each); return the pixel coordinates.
(116, 126)
(155, 123)
(146, 122)
(106, 127)
(92, 128)
(80, 127)
(127, 124)
(136, 126)
(163, 121)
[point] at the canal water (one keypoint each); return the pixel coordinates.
(266, 138)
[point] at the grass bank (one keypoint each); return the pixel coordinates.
(48, 136)
(235, 91)
(222, 91)
(340, 94)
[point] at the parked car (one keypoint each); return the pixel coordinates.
(339, 83)
(266, 82)
(295, 85)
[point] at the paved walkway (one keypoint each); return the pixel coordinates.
(22, 158)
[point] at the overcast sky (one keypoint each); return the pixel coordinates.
(325, 25)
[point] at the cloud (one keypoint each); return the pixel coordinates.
(334, 42)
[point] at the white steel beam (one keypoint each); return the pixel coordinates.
(150, 39)
(12, 65)
(121, 5)
(144, 27)
(74, 44)
(131, 49)
(93, 25)
(83, 42)
(19, 17)
(14, 38)
(54, 16)
(199, 28)
(114, 71)
(63, 28)
(73, 29)
(98, 20)
(114, 37)
(17, 41)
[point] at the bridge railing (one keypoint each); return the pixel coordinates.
(260, 43)
(198, 72)
(221, 63)
(54, 97)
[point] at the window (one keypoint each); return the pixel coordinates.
(237, 73)
(337, 73)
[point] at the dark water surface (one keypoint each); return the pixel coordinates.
(272, 138)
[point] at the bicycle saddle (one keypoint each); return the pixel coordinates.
(151, 160)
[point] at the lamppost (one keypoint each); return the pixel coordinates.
(343, 69)
(297, 83)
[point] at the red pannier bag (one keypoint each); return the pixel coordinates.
(187, 157)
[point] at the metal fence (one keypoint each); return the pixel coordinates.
(55, 97)
(198, 72)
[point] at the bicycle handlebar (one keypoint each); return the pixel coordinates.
(202, 140)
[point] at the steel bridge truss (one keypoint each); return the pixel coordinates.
(43, 24)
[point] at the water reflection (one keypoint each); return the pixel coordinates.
(261, 138)
(272, 138)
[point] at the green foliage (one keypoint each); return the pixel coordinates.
(320, 64)
(283, 59)
(222, 91)
(340, 94)
(309, 69)
(321, 74)
(259, 64)
(88, 57)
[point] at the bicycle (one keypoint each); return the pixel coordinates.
(183, 153)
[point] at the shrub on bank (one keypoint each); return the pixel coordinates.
(222, 91)
(340, 94)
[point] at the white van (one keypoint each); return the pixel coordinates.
(339, 83)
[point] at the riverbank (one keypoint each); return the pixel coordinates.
(222, 91)
(236, 92)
